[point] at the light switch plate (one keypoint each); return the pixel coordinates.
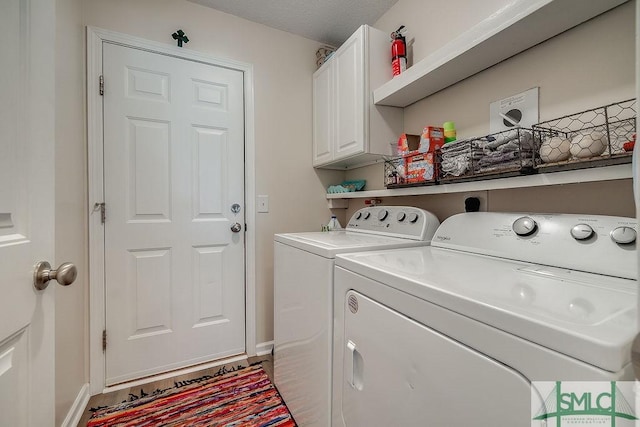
(263, 204)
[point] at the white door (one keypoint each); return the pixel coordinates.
(26, 211)
(173, 172)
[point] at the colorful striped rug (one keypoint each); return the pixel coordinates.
(245, 397)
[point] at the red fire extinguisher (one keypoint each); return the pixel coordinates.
(398, 52)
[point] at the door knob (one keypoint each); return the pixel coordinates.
(65, 274)
(236, 227)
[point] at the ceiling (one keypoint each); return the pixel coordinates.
(326, 21)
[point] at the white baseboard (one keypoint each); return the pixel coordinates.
(175, 373)
(77, 409)
(264, 348)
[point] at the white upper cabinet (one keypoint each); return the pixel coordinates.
(322, 116)
(349, 97)
(348, 129)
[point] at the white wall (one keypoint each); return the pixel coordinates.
(585, 67)
(431, 24)
(283, 65)
(70, 209)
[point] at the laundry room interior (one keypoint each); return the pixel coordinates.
(577, 65)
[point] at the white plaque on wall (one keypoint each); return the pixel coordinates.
(513, 111)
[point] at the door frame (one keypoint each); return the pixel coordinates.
(97, 315)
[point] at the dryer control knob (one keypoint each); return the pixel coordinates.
(401, 216)
(367, 215)
(383, 214)
(623, 235)
(581, 231)
(358, 215)
(413, 217)
(524, 226)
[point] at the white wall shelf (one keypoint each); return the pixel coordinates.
(514, 28)
(606, 173)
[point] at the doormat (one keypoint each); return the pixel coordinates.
(245, 397)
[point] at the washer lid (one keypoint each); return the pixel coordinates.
(370, 228)
(587, 316)
(328, 244)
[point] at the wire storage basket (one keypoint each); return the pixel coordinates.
(502, 154)
(411, 170)
(394, 172)
(597, 137)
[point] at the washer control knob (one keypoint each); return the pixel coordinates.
(623, 235)
(358, 215)
(383, 214)
(367, 215)
(413, 217)
(401, 216)
(524, 226)
(581, 231)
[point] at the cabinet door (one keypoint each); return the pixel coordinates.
(350, 96)
(322, 115)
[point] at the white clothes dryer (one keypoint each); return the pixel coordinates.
(303, 299)
(453, 334)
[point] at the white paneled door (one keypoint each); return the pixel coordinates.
(174, 228)
(27, 321)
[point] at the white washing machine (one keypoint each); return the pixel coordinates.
(451, 335)
(303, 299)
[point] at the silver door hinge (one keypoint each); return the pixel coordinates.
(104, 340)
(103, 211)
(101, 85)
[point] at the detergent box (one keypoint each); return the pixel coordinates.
(408, 143)
(419, 167)
(432, 139)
